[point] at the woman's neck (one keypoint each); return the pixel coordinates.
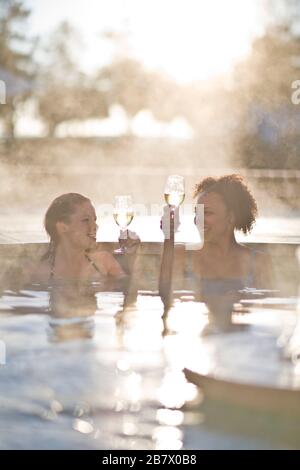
(222, 247)
(69, 256)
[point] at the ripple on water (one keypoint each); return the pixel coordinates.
(118, 386)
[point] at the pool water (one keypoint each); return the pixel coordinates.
(99, 377)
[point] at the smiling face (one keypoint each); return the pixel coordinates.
(81, 229)
(218, 220)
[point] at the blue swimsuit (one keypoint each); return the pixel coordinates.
(216, 286)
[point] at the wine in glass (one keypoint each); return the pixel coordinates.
(174, 191)
(123, 215)
(174, 196)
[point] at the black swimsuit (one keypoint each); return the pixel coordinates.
(86, 256)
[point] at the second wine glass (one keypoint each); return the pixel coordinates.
(123, 215)
(174, 190)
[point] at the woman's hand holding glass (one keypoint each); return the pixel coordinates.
(174, 197)
(123, 215)
(165, 221)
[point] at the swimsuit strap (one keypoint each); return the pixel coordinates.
(222, 285)
(86, 256)
(92, 263)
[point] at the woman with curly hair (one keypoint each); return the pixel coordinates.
(223, 268)
(223, 264)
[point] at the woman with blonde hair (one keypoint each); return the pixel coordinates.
(71, 224)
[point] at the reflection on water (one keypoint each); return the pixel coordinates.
(82, 372)
(71, 312)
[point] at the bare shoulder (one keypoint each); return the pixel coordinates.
(260, 256)
(102, 256)
(107, 263)
(263, 257)
(246, 250)
(263, 270)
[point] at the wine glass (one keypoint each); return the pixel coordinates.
(123, 215)
(174, 191)
(174, 196)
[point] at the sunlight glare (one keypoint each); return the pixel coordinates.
(194, 39)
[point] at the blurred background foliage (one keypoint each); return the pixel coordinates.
(252, 114)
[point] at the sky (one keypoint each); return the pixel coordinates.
(187, 39)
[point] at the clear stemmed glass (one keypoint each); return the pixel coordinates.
(123, 215)
(174, 190)
(174, 196)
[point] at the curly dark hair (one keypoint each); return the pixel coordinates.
(236, 196)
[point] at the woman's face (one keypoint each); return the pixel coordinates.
(81, 229)
(218, 220)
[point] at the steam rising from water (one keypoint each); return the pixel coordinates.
(41, 170)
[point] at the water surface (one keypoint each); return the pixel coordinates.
(102, 378)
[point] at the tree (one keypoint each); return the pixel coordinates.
(135, 88)
(65, 93)
(126, 84)
(266, 75)
(16, 51)
(165, 98)
(64, 103)
(263, 86)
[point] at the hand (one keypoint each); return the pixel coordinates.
(130, 241)
(165, 221)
